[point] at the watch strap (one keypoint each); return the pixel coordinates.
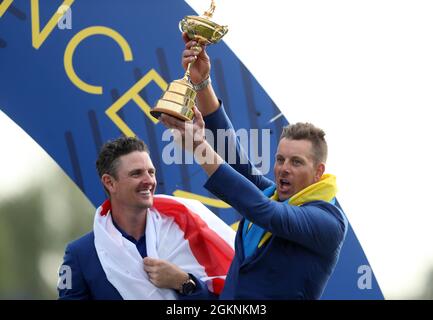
(202, 85)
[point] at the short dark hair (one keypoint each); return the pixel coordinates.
(307, 131)
(111, 151)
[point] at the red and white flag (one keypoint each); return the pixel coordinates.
(181, 231)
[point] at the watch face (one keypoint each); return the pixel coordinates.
(188, 287)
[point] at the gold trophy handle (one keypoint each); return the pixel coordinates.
(218, 33)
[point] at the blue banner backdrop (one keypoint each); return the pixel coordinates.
(73, 89)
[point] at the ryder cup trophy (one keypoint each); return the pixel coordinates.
(179, 99)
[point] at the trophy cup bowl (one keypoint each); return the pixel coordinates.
(202, 29)
(179, 99)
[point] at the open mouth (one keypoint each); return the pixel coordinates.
(284, 184)
(145, 192)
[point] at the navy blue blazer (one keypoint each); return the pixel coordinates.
(298, 259)
(88, 279)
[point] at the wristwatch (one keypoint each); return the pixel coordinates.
(188, 286)
(202, 85)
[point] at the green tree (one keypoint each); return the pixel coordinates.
(35, 227)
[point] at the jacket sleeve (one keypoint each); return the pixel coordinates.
(201, 292)
(226, 144)
(71, 285)
(317, 225)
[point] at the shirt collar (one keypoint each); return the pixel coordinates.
(125, 235)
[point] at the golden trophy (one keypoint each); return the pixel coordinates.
(179, 99)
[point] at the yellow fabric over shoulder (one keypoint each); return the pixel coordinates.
(325, 189)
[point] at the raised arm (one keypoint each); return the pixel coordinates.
(207, 100)
(215, 117)
(317, 225)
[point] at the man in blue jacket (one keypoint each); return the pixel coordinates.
(289, 240)
(100, 265)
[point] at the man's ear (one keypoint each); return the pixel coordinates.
(319, 171)
(108, 182)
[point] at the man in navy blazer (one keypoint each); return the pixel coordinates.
(292, 230)
(128, 176)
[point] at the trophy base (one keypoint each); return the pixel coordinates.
(187, 116)
(178, 101)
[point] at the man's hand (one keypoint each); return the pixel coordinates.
(164, 274)
(191, 134)
(193, 52)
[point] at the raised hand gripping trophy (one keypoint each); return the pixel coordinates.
(179, 99)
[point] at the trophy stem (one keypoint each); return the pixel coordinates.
(187, 75)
